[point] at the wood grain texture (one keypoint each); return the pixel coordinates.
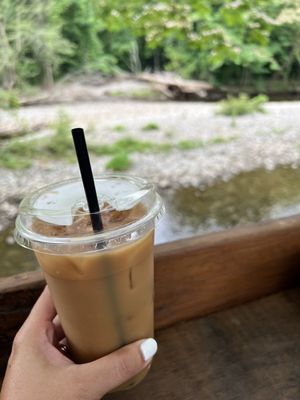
(249, 352)
(193, 277)
(209, 273)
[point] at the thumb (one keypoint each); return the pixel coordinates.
(106, 373)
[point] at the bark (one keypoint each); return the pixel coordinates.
(48, 79)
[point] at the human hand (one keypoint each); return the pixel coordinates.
(38, 370)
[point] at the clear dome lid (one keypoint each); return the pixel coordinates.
(58, 215)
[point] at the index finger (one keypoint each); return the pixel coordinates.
(43, 310)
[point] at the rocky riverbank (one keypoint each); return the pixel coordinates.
(228, 147)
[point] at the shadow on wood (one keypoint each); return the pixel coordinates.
(249, 352)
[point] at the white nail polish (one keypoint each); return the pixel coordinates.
(148, 348)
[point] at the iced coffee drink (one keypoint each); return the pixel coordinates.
(101, 283)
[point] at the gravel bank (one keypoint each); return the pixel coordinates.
(260, 140)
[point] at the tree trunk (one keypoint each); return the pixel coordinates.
(156, 61)
(9, 78)
(135, 62)
(9, 70)
(48, 79)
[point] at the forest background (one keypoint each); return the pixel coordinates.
(241, 43)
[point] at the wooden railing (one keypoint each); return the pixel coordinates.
(193, 277)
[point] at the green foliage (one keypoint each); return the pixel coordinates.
(151, 126)
(189, 144)
(9, 99)
(121, 149)
(129, 145)
(201, 38)
(119, 128)
(117, 93)
(242, 105)
(61, 145)
(221, 140)
(138, 94)
(16, 154)
(221, 41)
(19, 154)
(146, 94)
(119, 162)
(195, 144)
(32, 47)
(162, 148)
(82, 25)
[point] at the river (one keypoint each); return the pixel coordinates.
(247, 198)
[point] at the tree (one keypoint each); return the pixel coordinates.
(31, 43)
(286, 39)
(223, 41)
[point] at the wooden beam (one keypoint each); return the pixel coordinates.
(193, 277)
(247, 352)
(208, 273)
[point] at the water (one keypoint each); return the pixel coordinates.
(247, 198)
(14, 259)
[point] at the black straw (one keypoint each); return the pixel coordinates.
(87, 178)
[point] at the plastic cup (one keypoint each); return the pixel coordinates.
(101, 283)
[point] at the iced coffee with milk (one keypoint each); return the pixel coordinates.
(101, 283)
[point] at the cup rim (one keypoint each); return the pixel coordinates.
(26, 237)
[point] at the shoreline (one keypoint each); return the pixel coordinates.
(263, 140)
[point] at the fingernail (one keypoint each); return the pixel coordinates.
(148, 348)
